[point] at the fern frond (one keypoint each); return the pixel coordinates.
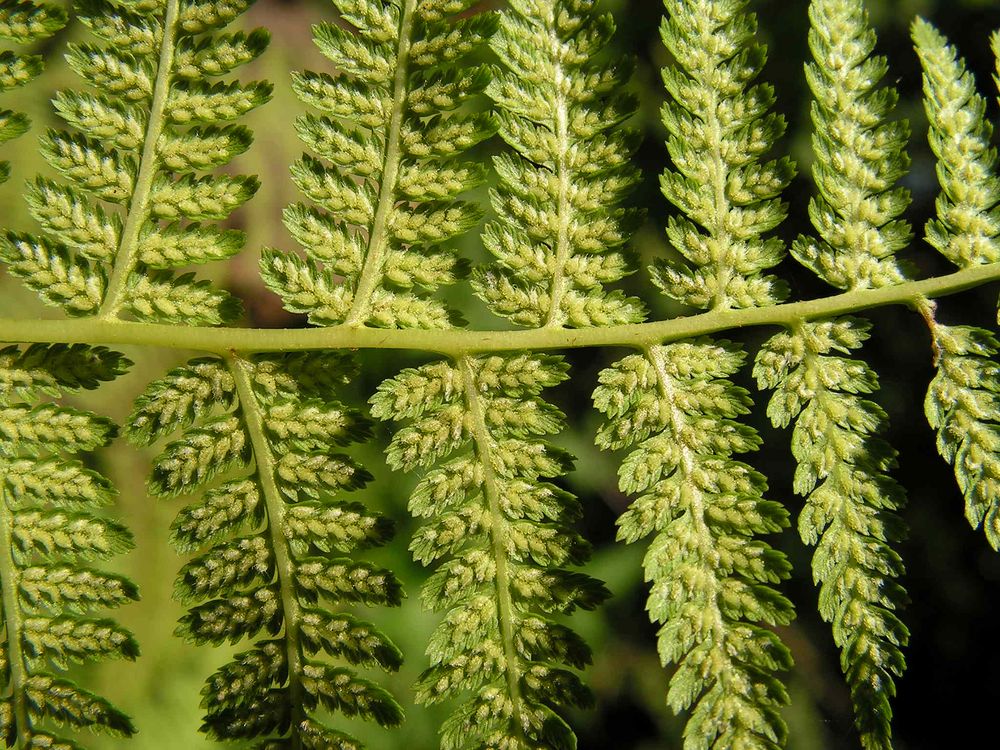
(480, 423)
(961, 402)
(48, 525)
(135, 150)
(560, 227)
(22, 22)
(390, 171)
(860, 155)
(266, 538)
(961, 405)
(967, 228)
(843, 465)
(711, 578)
(720, 131)
(843, 460)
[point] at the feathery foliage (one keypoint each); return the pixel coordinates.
(962, 402)
(254, 433)
(132, 207)
(843, 461)
(559, 229)
(51, 530)
(502, 535)
(391, 145)
(712, 579)
(22, 22)
(275, 541)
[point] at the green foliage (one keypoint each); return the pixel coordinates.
(252, 434)
(391, 165)
(502, 538)
(860, 154)
(720, 128)
(49, 526)
(849, 516)
(22, 22)
(712, 580)
(559, 229)
(961, 402)
(843, 462)
(272, 537)
(132, 207)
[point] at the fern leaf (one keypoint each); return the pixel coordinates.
(150, 67)
(850, 518)
(961, 403)
(674, 407)
(860, 155)
(387, 200)
(560, 227)
(843, 462)
(22, 22)
(967, 228)
(720, 128)
(711, 578)
(48, 526)
(261, 532)
(501, 569)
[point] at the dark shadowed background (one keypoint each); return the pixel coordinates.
(953, 577)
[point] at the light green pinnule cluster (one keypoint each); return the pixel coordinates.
(560, 227)
(276, 543)
(712, 577)
(860, 155)
(132, 207)
(503, 540)
(50, 530)
(720, 128)
(391, 144)
(22, 22)
(962, 403)
(843, 462)
(843, 465)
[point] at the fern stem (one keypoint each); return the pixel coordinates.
(284, 563)
(126, 256)
(12, 623)
(563, 247)
(371, 273)
(457, 343)
(505, 609)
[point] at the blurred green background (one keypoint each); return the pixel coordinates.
(953, 577)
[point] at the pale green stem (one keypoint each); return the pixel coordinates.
(9, 576)
(283, 560)
(127, 254)
(456, 343)
(378, 242)
(498, 526)
(562, 248)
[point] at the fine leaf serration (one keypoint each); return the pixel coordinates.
(51, 531)
(130, 207)
(843, 459)
(22, 22)
(560, 229)
(674, 406)
(390, 166)
(962, 401)
(502, 537)
(273, 535)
